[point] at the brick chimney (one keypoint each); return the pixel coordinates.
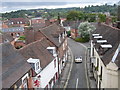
(29, 34)
(47, 22)
(108, 21)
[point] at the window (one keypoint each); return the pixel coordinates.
(97, 62)
(37, 65)
(101, 74)
(50, 50)
(21, 22)
(17, 22)
(93, 52)
(11, 22)
(55, 63)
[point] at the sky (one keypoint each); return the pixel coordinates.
(12, 5)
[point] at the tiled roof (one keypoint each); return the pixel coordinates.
(75, 25)
(112, 35)
(14, 65)
(52, 32)
(13, 29)
(15, 20)
(4, 26)
(70, 23)
(38, 50)
(4, 37)
(39, 25)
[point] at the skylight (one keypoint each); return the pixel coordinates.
(106, 46)
(97, 37)
(101, 41)
(95, 34)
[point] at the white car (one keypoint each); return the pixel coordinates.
(78, 59)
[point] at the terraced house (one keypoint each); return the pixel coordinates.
(39, 63)
(16, 72)
(56, 37)
(105, 56)
(43, 60)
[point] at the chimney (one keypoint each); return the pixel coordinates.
(108, 21)
(29, 34)
(59, 20)
(118, 22)
(47, 22)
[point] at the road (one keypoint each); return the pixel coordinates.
(78, 75)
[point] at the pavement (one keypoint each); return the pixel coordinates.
(63, 80)
(91, 79)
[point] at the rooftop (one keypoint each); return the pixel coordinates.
(109, 42)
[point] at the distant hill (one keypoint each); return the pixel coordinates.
(52, 13)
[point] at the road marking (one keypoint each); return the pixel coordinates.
(85, 64)
(77, 83)
(83, 45)
(65, 86)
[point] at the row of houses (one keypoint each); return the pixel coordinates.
(39, 63)
(105, 56)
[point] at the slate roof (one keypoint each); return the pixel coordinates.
(14, 65)
(39, 25)
(4, 37)
(13, 29)
(112, 35)
(52, 33)
(73, 24)
(38, 50)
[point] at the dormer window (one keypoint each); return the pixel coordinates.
(17, 22)
(11, 22)
(35, 63)
(21, 22)
(52, 50)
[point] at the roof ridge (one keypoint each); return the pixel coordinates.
(48, 26)
(31, 43)
(110, 26)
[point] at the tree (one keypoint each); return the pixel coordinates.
(84, 29)
(73, 15)
(102, 17)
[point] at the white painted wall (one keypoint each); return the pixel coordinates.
(48, 73)
(110, 74)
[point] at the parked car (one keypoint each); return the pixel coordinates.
(78, 59)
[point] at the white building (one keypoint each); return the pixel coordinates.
(105, 56)
(44, 61)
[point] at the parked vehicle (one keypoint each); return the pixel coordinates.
(78, 59)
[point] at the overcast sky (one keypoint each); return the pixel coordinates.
(12, 5)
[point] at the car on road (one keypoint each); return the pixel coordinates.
(78, 59)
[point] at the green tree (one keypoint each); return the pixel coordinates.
(84, 29)
(73, 15)
(102, 17)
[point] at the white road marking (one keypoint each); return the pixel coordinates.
(77, 83)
